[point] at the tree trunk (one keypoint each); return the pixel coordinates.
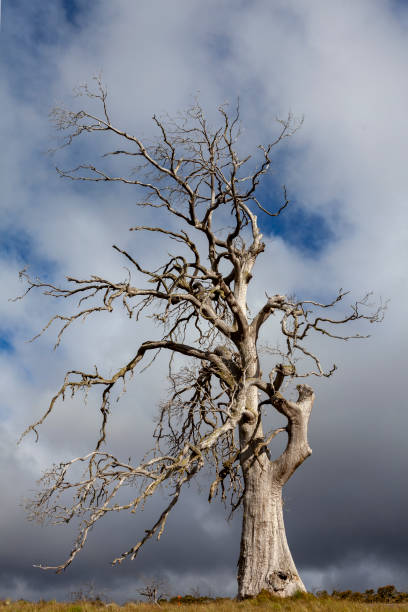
(265, 561)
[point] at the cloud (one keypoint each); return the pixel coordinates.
(343, 67)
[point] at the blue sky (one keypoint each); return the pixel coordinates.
(72, 8)
(342, 66)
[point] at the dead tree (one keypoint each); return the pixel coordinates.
(155, 590)
(198, 183)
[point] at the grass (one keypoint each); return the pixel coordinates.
(298, 603)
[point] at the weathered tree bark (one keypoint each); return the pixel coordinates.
(265, 561)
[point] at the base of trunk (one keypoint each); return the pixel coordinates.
(280, 583)
(284, 583)
(265, 561)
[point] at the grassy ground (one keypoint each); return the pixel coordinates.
(305, 603)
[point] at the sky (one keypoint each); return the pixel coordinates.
(341, 66)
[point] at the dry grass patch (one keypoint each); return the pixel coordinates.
(301, 603)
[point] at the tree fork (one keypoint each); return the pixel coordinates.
(265, 561)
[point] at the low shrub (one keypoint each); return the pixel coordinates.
(385, 594)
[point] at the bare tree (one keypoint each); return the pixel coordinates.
(154, 590)
(194, 175)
